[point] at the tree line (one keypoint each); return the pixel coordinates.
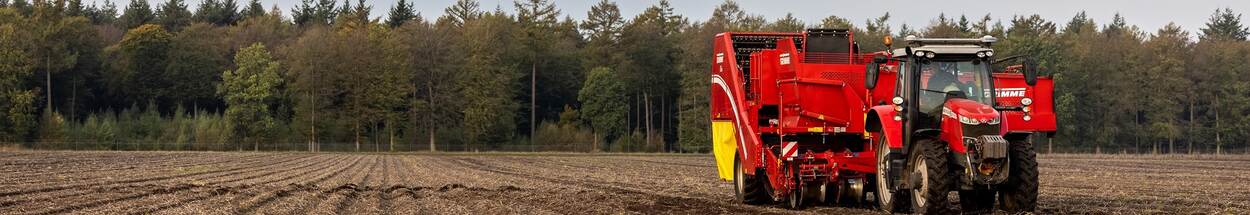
(233, 75)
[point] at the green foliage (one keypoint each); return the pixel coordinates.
(1224, 24)
(144, 53)
(136, 13)
(248, 92)
(471, 79)
(104, 15)
(173, 15)
(22, 6)
(836, 22)
(603, 102)
(402, 12)
(564, 137)
(51, 127)
(787, 24)
(195, 59)
(461, 12)
(253, 10)
(945, 28)
(218, 12)
(603, 26)
(17, 106)
(486, 84)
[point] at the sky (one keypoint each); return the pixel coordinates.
(1149, 15)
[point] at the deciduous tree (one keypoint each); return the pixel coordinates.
(249, 91)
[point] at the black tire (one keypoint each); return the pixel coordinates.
(747, 189)
(1019, 193)
(930, 163)
(887, 198)
(976, 201)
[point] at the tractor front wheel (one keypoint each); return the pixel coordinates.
(929, 163)
(1019, 193)
(887, 198)
(748, 189)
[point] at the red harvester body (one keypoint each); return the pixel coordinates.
(792, 117)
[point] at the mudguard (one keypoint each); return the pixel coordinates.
(724, 146)
(881, 119)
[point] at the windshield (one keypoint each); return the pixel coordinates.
(968, 79)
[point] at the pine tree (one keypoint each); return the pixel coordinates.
(22, 6)
(228, 13)
(104, 15)
(402, 12)
(964, 25)
(1168, 48)
(72, 7)
(603, 26)
(137, 13)
(173, 15)
(463, 11)
(836, 22)
(253, 9)
(218, 12)
(325, 12)
(1224, 24)
(787, 24)
(304, 12)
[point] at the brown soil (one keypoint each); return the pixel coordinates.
(33, 182)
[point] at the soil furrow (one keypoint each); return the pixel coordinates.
(36, 182)
(79, 191)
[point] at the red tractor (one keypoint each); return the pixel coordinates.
(800, 117)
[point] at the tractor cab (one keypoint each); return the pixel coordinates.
(953, 76)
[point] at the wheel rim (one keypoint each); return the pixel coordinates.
(883, 165)
(920, 193)
(795, 198)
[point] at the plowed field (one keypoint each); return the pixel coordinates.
(306, 183)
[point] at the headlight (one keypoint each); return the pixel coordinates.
(981, 54)
(928, 54)
(1027, 109)
(989, 53)
(919, 53)
(1026, 101)
(897, 100)
(1027, 118)
(968, 121)
(993, 121)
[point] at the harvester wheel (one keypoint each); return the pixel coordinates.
(976, 201)
(887, 198)
(747, 188)
(795, 199)
(929, 196)
(1019, 193)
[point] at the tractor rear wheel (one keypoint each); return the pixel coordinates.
(887, 198)
(748, 189)
(1019, 193)
(976, 201)
(930, 164)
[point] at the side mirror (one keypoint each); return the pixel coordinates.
(870, 74)
(1030, 72)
